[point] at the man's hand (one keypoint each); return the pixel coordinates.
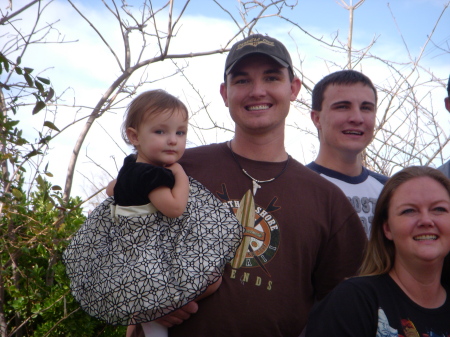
(179, 316)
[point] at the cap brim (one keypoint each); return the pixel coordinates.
(280, 61)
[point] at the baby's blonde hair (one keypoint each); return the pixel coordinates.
(150, 102)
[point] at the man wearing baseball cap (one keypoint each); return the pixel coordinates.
(259, 44)
(302, 236)
(446, 167)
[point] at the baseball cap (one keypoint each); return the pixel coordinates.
(258, 44)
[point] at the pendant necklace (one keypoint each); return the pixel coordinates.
(255, 182)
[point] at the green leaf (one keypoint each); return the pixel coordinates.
(40, 181)
(39, 86)
(50, 125)
(45, 140)
(12, 288)
(41, 249)
(43, 80)
(33, 153)
(38, 107)
(28, 70)
(19, 60)
(28, 79)
(36, 309)
(16, 193)
(48, 174)
(5, 62)
(56, 188)
(49, 94)
(19, 70)
(5, 156)
(60, 200)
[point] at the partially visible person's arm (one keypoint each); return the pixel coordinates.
(135, 331)
(179, 316)
(341, 257)
(172, 202)
(347, 311)
(110, 188)
(174, 318)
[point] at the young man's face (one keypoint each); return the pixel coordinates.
(347, 120)
(258, 93)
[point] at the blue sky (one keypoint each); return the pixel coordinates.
(85, 69)
(414, 19)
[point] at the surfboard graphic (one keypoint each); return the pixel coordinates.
(246, 216)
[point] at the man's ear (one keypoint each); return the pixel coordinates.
(132, 136)
(296, 85)
(315, 117)
(224, 93)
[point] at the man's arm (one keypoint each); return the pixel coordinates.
(342, 256)
(179, 316)
(347, 311)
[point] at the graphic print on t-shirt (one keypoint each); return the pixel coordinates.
(365, 207)
(384, 328)
(265, 236)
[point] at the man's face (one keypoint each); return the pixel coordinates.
(347, 120)
(258, 93)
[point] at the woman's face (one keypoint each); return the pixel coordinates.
(419, 221)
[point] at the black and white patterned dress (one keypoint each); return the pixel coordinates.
(130, 265)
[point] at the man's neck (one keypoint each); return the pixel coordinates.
(350, 166)
(262, 148)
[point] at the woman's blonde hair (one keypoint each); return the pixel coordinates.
(380, 253)
(150, 103)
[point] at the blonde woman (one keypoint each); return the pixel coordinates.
(399, 292)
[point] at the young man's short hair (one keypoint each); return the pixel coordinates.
(342, 77)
